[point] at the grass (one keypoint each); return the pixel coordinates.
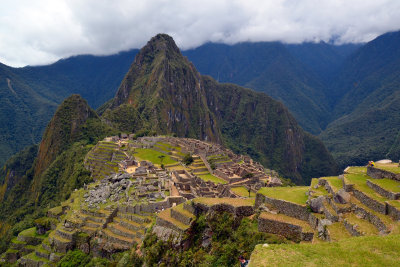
(181, 210)
(212, 178)
(355, 169)
(337, 231)
(242, 191)
(320, 191)
(391, 167)
(236, 202)
(29, 232)
(387, 184)
(334, 182)
(360, 183)
(166, 215)
(287, 219)
(356, 251)
(153, 156)
(364, 226)
(296, 194)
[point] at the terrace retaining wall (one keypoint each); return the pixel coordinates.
(288, 208)
(369, 202)
(380, 174)
(382, 191)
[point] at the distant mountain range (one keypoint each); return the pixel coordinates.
(347, 94)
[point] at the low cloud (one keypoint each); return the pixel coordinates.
(42, 31)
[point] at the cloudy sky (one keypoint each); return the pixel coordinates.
(43, 31)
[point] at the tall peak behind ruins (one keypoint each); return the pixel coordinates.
(169, 96)
(167, 91)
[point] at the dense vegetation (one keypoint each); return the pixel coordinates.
(230, 239)
(56, 171)
(367, 116)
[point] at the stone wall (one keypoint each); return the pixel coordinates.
(369, 202)
(393, 212)
(351, 228)
(288, 208)
(375, 220)
(290, 231)
(380, 174)
(382, 191)
(180, 217)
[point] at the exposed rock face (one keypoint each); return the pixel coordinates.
(173, 97)
(342, 196)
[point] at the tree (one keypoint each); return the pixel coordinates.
(187, 159)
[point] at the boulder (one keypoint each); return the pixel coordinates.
(316, 204)
(342, 197)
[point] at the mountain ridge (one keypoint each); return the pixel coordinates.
(223, 113)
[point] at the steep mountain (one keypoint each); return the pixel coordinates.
(167, 91)
(64, 128)
(323, 59)
(32, 181)
(367, 116)
(95, 78)
(267, 67)
(172, 97)
(30, 95)
(23, 113)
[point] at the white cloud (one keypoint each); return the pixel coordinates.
(42, 31)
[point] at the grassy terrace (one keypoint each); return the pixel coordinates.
(236, 202)
(181, 210)
(356, 169)
(356, 251)
(364, 226)
(296, 194)
(385, 219)
(337, 231)
(166, 215)
(360, 183)
(334, 182)
(391, 167)
(153, 156)
(287, 219)
(242, 191)
(212, 178)
(320, 191)
(387, 184)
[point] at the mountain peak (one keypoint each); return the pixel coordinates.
(63, 129)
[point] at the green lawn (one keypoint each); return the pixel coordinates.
(320, 191)
(212, 178)
(355, 169)
(360, 183)
(355, 251)
(296, 194)
(388, 184)
(391, 167)
(242, 191)
(153, 156)
(334, 182)
(337, 231)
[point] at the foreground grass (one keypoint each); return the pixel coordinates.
(295, 194)
(153, 156)
(356, 251)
